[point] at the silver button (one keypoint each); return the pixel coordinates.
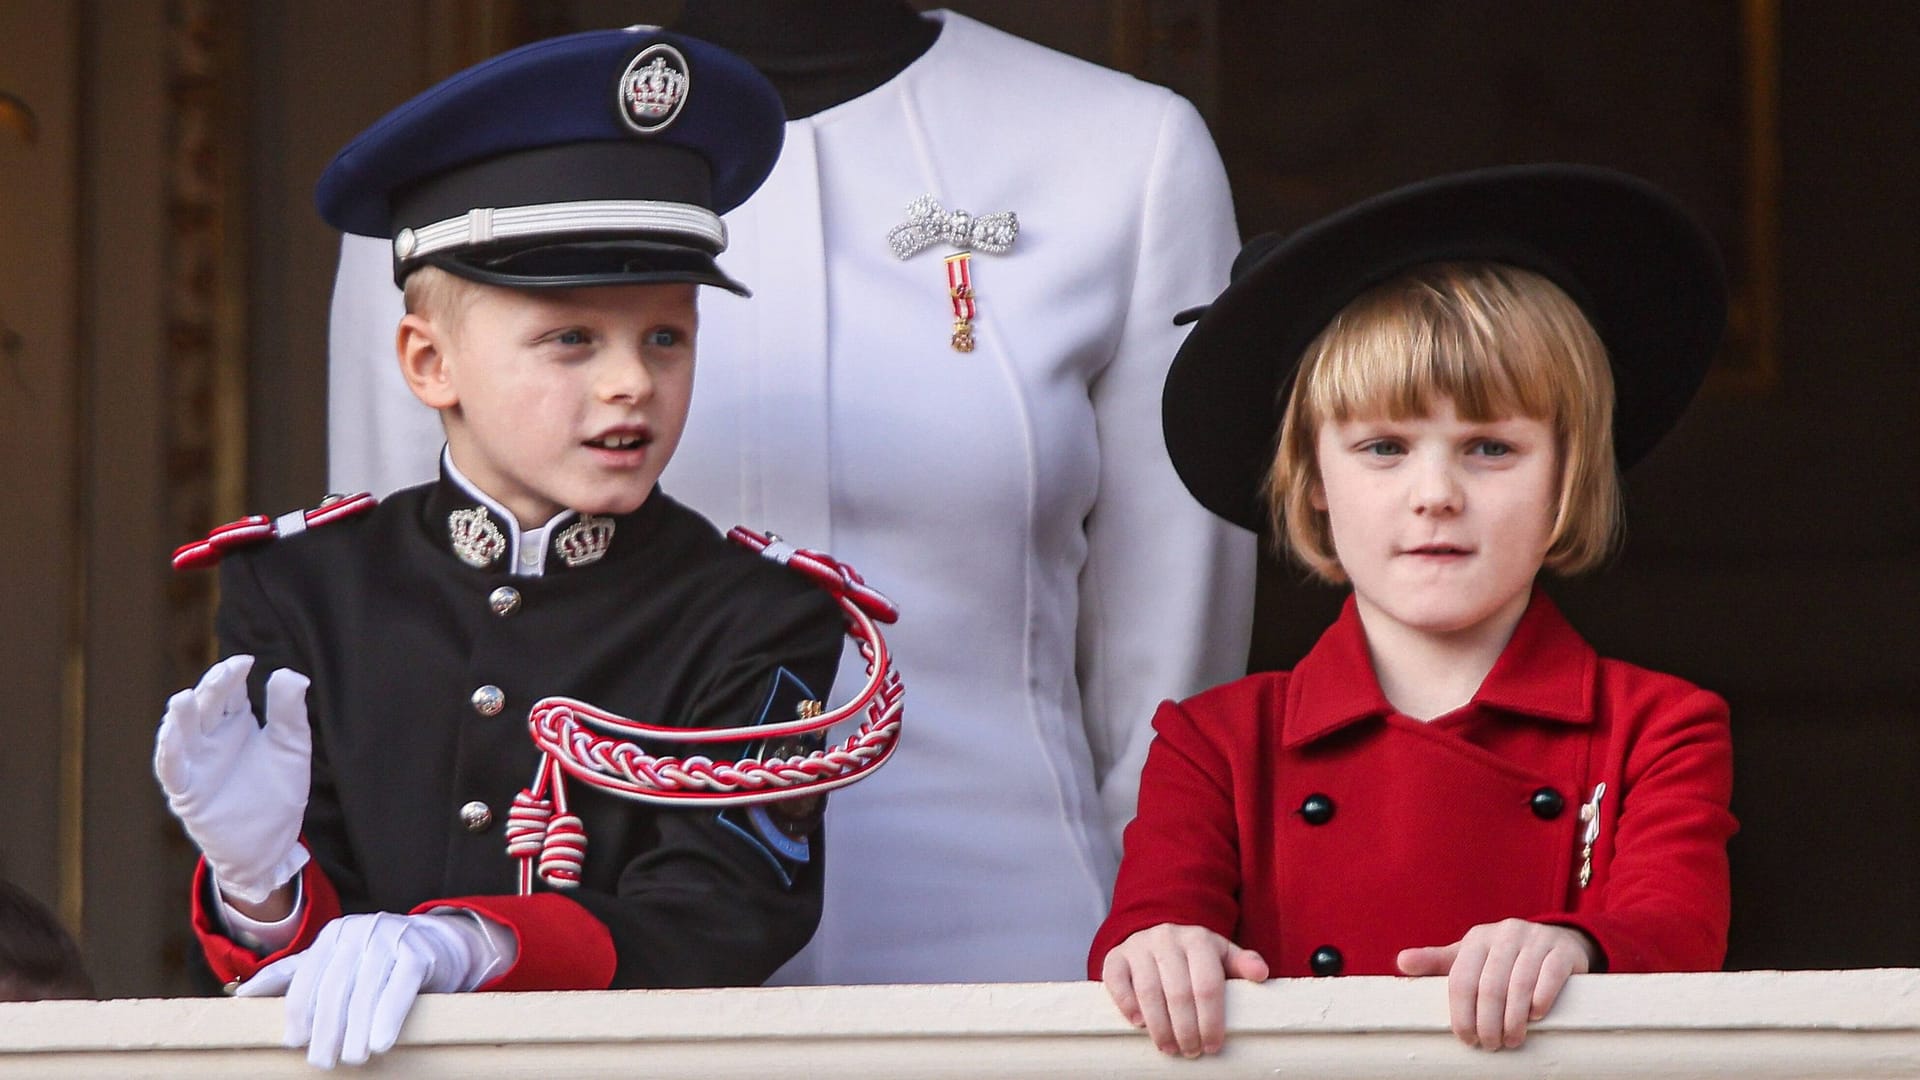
(476, 816)
(489, 700)
(504, 600)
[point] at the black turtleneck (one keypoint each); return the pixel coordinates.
(817, 53)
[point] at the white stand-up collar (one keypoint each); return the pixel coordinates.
(526, 548)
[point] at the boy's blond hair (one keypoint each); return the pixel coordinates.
(1496, 340)
(431, 292)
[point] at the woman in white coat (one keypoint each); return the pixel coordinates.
(1055, 580)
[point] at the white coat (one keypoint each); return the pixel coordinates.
(1054, 578)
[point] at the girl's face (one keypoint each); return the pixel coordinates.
(1440, 523)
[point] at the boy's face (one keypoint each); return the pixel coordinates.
(1440, 523)
(559, 399)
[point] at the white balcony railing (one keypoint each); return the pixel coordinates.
(1753, 1025)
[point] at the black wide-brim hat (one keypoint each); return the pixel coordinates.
(1642, 269)
(600, 158)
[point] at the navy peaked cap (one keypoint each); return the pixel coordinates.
(603, 157)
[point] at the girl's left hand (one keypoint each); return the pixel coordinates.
(1503, 975)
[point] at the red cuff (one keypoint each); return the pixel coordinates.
(1630, 944)
(561, 945)
(233, 962)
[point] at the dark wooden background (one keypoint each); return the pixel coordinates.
(173, 309)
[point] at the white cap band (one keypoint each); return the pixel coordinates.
(487, 224)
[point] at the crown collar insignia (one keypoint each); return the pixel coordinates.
(585, 541)
(475, 538)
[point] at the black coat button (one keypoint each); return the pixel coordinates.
(1547, 804)
(1326, 960)
(1317, 809)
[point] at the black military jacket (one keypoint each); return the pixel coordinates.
(406, 643)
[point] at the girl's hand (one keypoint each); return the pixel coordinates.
(1171, 980)
(1503, 975)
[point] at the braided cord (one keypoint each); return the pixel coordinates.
(568, 732)
(565, 730)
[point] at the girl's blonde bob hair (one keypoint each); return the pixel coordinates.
(1498, 341)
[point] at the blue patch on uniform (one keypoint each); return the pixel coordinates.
(781, 831)
(729, 820)
(792, 848)
(784, 694)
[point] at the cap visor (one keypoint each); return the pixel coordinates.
(575, 265)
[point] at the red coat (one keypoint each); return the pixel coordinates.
(1299, 814)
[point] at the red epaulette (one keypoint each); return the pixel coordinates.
(259, 528)
(822, 569)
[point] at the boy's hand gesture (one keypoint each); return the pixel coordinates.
(1502, 976)
(1171, 980)
(350, 991)
(240, 789)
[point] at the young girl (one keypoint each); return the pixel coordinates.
(1451, 782)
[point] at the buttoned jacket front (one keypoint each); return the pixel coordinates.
(426, 657)
(1055, 580)
(1299, 814)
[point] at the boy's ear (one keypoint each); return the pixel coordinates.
(1316, 494)
(422, 348)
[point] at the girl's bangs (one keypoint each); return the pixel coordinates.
(1443, 333)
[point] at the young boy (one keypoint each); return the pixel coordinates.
(1451, 782)
(552, 212)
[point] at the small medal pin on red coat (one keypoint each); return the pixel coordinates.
(1590, 815)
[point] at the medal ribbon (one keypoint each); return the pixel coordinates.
(960, 288)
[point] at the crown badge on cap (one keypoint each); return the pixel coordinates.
(653, 89)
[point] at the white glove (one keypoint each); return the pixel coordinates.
(350, 991)
(239, 789)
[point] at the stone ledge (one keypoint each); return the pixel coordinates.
(1751, 1025)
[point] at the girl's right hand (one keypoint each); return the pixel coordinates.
(1171, 980)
